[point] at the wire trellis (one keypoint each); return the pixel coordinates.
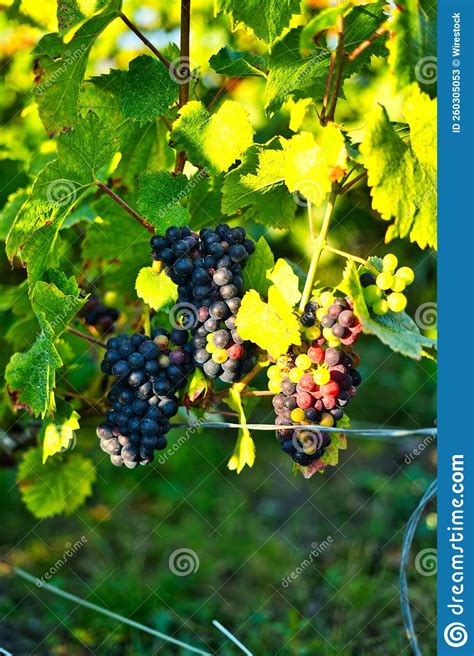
(407, 541)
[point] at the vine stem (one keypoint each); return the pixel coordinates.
(126, 207)
(349, 256)
(90, 339)
(312, 233)
(350, 184)
(240, 386)
(184, 86)
(318, 249)
(365, 44)
(147, 42)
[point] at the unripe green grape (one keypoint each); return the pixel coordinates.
(406, 274)
(380, 308)
(372, 294)
(399, 284)
(385, 280)
(397, 302)
(390, 262)
(326, 298)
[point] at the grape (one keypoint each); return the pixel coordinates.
(99, 316)
(142, 402)
(314, 382)
(367, 279)
(385, 281)
(397, 302)
(372, 294)
(406, 274)
(208, 270)
(390, 262)
(381, 307)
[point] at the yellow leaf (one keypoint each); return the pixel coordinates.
(273, 326)
(244, 451)
(155, 288)
(283, 276)
(311, 167)
(59, 437)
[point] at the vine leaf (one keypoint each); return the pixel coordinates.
(148, 89)
(160, 196)
(394, 329)
(324, 20)
(298, 71)
(213, 141)
(258, 186)
(237, 64)
(273, 326)
(156, 289)
(198, 385)
(311, 168)
(255, 273)
(60, 64)
(57, 301)
(59, 486)
(266, 18)
(283, 277)
(244, 451)
(31, 376)
(58, 435)
(412, 44)
(402, 174)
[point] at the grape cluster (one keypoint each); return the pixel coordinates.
(384, 291)
(314, 382)
(208, 271)
(148, 373)
(97, 314)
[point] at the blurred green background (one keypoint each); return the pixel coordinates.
(252, 531)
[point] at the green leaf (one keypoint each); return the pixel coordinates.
(58, 306)
(266, 18)
(204, 203)
(148, 90)
(394, 329)
(237, 64)
(69, 14)
(273, 326)
(198, 385)
(58, 487)
(412, 44)
(58, 435)
(214, 141)
(140, 150)
(255, 272)
(294, 74)
(156, 289)
(283, 277)
(304, 75)
(310, 168)
(160, 196)
(258, 185)
(244, 451)
(59, 66)
(402, 175)
(31, 376)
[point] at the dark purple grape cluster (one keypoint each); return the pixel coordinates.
(98, 315)
(149, 373)
(208, 271)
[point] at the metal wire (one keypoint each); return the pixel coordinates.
(407, 540)
(368, 432)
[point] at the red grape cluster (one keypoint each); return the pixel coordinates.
(314, 382)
